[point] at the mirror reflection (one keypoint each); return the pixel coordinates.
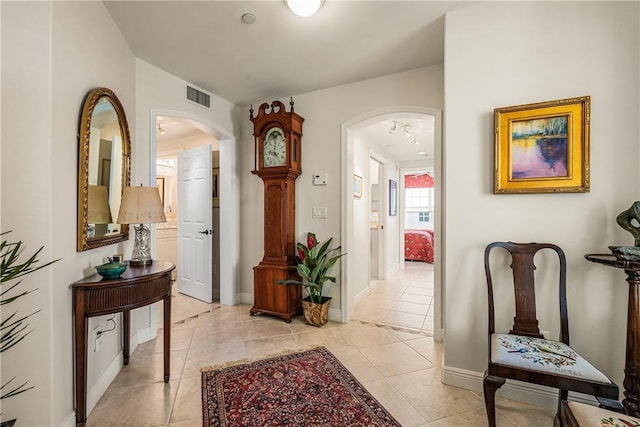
(105, 166)
(103, 171)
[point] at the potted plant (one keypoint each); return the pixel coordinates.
(314, 261)
(14, 327)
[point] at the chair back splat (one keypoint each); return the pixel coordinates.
(524, 354)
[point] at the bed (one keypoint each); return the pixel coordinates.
(418, 245)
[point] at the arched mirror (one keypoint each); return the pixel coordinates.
(103, 169)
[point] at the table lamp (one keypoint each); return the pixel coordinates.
(141, 205)
(98, 211)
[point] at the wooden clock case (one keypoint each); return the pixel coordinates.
(279, 260)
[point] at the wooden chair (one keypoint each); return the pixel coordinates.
(524, 354)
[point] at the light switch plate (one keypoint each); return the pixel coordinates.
(320, 179)
(319, 212)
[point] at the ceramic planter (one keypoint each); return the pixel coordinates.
(316, 314)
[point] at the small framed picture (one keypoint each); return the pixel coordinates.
(393, 197)
(117, 258)
(357, 186)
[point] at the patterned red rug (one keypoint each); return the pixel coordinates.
(310, 388)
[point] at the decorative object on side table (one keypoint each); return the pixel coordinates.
(111, 269)
(630, 221)
(15, 327)
(315, 260)
(141, 205)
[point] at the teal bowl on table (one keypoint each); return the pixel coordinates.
(111, 270)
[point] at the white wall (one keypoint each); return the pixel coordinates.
(324, 111)
(161, 93)
(53, 53)
(532, 52)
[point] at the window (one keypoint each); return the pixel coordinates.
(419, 208)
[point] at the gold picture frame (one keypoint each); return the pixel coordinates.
(543, 147)
(357, 186)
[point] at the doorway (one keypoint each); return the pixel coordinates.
(352, 148)
(224, 193)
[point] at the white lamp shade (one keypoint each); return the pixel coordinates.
(141, 205)
(304, 8)
(98, 210)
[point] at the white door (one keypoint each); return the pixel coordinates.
(195, 223)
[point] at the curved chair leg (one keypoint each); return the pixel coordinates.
(491, 384)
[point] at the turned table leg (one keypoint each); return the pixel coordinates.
(631, 383)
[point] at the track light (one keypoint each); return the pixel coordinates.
(393, 129)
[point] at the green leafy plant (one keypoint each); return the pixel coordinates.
(314, 261)
(15, 328)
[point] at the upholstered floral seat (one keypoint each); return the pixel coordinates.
(546, 356)
(584, 415)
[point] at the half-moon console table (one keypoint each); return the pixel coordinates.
(631, 382)
(94, 296)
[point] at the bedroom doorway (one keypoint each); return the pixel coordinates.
(391, 293)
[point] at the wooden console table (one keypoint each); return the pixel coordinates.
(631, 382)
(94, 296)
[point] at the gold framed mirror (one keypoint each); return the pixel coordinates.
(104, 169)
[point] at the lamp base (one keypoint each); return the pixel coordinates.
(141, 254)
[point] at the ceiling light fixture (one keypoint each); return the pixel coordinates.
(161, 130)
(410, 136)
(304, 8)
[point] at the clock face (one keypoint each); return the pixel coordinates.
(275, 148)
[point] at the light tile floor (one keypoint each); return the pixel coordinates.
(401, 369)
(405, 299)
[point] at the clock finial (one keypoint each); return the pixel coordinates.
(291, 103)
(251, 112)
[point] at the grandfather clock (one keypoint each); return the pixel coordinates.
(278, 159)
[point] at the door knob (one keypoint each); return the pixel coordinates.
(206, 232)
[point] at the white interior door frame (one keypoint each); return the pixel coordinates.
(229, 207)
(382, 209)
(346, 215)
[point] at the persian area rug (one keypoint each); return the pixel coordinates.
(310, 388)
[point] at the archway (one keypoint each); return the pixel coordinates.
(347, 211)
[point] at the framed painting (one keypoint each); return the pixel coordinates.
(215, 187)
(357, 186)
(160, 185)
(393, 197)
(543, 147)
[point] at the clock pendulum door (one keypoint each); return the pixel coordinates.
(278, 162)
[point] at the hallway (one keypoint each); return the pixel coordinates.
(404, 300)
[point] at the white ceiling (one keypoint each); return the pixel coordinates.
(279, 55)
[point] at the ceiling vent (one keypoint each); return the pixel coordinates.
(199, 97)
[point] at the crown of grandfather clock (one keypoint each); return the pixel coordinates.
(278, 159)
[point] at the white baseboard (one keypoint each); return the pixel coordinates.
(70, 421)
(143, 335)
(360, 296)
(393, 270)
(245, 298)
(335, 314)
(533, 394)
(108, 375)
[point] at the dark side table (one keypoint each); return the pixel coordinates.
(94, 296)
(631, 382)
